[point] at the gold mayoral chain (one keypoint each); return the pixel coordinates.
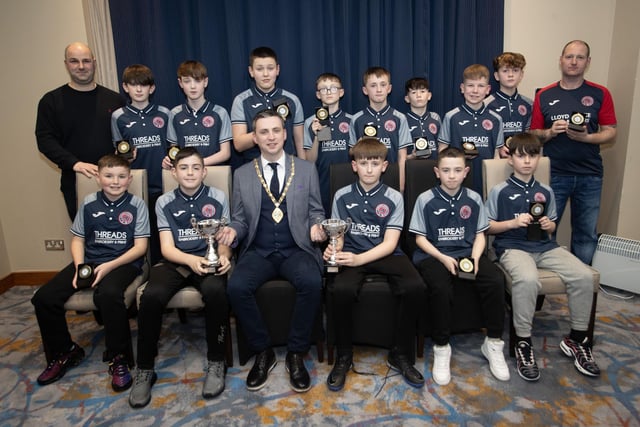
(277, 213)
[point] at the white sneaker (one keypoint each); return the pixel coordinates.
(492, 350)
(441, 371)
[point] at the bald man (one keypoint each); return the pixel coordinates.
(73, 126)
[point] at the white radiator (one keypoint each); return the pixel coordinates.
(618, 261)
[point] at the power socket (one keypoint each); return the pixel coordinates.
(54, 245)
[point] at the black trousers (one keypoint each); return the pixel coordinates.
(108, 297)
(165, 280)
(489, 284)
(406, 285)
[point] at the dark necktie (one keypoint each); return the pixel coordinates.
(274, 186)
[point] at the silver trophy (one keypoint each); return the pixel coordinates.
(334, 228)
(207, 228)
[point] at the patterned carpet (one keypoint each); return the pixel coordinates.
(561, 397)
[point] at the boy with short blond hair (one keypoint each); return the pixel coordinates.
(114, 245)
(472, 126)
(326, 141)
(422, 122)
(370, 246)
(449, 222)
(263, 94)
(144, 125)
(199, 122)
(389, 125)
(509, 207)
(514, 108)
(184, 265)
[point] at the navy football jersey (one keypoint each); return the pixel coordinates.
(512, 198)
(175, 210)
(426, 126)
(371, 212)
(110, 228)
(146, 130)
(450, 223)
(205, 129)
(392, 127)
(515, 112)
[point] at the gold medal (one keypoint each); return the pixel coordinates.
(277, 215)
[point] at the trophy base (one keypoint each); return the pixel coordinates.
(423, 154)
(324, 134)
(332, 269)
(211, 268)
(127, 156)
(534, 232)
(576, 128)
(466, 276)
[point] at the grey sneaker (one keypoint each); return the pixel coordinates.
(140, 394)
(214, 382)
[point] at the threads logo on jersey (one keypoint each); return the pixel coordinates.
(208, 210)
(587, 101)
(188, 234)
(465, 212)
(370, 231)
(450, 233)
(382, 210)
(208, 121)
(433, 128)
(487, 124)
(334, 145)
(104, 237)
(390, 125)
(344, 127)
(478, 141)
(125, 218)
(195, 140)
(158, 122)
(539, 197)
(522, 110)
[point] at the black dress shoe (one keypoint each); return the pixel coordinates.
(264, 363)
(338, 375)
(400, 363)
(298, 375)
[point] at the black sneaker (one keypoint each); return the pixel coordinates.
(338, 375)
(59, 365)
(581, 353)
(526, 362)
(400, 363)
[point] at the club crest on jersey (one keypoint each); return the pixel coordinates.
(433, 128)
(382, 210)
(465, 212)
(125, 218)
(539, 197)
(343, 127)
(390, 125)
(522, 110)
(158, 122)
(208, 121)
(487, 124)
(208, 210)
(587, 101)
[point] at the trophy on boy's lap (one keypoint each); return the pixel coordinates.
(534, 232)
(207, 229)
(335, 228)
(85, 276)
(466, 268)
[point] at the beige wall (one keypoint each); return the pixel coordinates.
(33, 209)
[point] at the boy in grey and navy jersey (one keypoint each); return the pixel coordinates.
(390, 125)
(264, 70)
(199, 123)
(473, 122)
(144, 125)
(370, 245)
(331, 150)
(513, 108)
(449, 222)
(422, 123)
(110, 233)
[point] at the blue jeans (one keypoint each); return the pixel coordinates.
(584, 192)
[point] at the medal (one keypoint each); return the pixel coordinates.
(277, 215)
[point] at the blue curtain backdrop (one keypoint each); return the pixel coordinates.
(436, 39)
